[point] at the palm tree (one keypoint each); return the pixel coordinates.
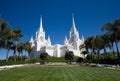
(3, 25)
(111, 40)
(7, 37)
(20, 49)
(114, 29)
(17, 36)
(92, 47)
(107, 42)
(89, 44)
(28, 48)
(99, 44)
(29, 51)
(2, 43)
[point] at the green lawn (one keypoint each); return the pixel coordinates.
(59, 73)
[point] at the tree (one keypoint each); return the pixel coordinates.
(114, 29)
(99, 44)
(84, 53)
(44, 56)
(111, 41)
(20, 49)
(7, 37)
(27, 47)
(2, 44)
(17, 36)
(83, 49)
(87, 43)
(107, 42)
(69, 56)
(3, 25)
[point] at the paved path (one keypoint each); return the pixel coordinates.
(9, 66)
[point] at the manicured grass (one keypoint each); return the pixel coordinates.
(59, 73)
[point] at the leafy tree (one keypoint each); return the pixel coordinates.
(69, 56)
(44, 56)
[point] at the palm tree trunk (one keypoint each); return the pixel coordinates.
(113, 49)
(14, 55)
(98, 52)
(29, 56)
(7, 55)
(21, 56)
(92, 53)
(15, 52)
(105, 53)
(117, 49)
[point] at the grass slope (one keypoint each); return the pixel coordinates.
(59, 73)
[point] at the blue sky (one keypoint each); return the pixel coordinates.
(89, 16)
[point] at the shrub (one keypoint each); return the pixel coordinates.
(69, 56)
(44, 56)
(80, 60)
(18, 58)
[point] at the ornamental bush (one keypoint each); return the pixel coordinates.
(44, 56)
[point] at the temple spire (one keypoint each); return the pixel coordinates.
(65, 41)
(73, 23)
(41, 26)
(31, 40)
(49, 41)
(82, 38)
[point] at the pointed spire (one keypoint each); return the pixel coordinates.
(31, 40)
(41, 26)
(73, 23)
(49, 41)
(65, 41)
(66, 38)
(82, 38)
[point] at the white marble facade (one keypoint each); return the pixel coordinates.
(40, 44)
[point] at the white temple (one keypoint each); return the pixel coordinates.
(40, 44)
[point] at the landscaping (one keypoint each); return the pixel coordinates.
(59, 73)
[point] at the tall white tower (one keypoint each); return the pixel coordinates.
(40, 37)
(74, 35)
